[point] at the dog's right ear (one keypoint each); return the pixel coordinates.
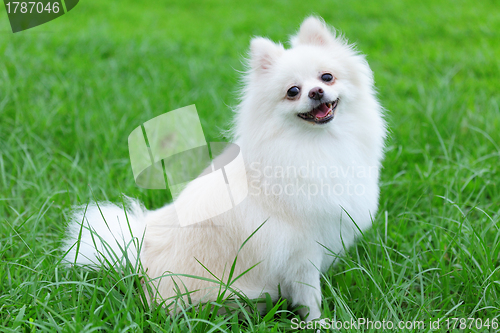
(264, 53)
(313, 31)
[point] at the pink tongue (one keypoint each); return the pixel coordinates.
(321, 111)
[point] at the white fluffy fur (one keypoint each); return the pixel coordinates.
(105, 233)
(290, 247)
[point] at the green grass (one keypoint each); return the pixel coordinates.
(72, 90)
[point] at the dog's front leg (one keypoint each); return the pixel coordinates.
(305, 289)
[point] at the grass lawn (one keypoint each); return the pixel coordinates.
(72, 90)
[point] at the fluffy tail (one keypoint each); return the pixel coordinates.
(105, 234)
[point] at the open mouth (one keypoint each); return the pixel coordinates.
(321, 114)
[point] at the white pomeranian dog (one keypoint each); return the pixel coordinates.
(311, 133)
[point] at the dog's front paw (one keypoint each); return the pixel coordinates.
(310, 313)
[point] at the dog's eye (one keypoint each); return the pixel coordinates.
(327, 77)
(293, 91)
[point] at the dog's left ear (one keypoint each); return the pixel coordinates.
(313, 31)
(264, 53)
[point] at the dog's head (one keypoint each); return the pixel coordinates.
(310, 83)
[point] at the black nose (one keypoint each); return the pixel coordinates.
(316, 93)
